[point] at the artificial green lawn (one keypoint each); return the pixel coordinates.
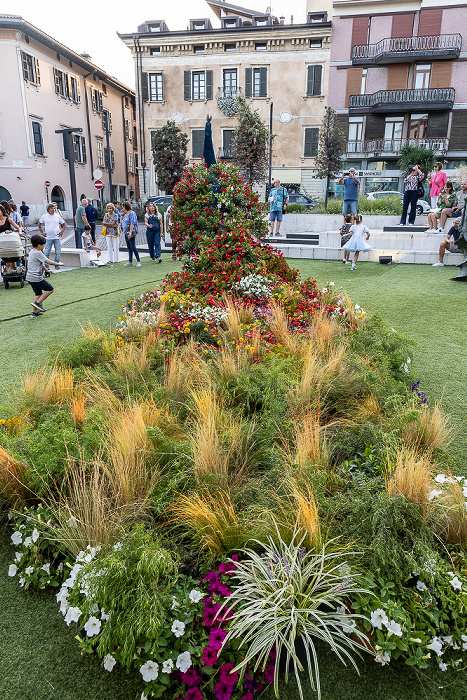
(38, 658)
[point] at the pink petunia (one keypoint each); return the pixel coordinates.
(209, 656)
(194, 694)
(191, 678)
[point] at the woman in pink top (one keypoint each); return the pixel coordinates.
(437, 182)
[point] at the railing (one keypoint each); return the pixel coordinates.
(231, 91)
(440, 145)
(402, 97)
(407, 45)
(225, 152)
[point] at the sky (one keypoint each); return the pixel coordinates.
(93, 27)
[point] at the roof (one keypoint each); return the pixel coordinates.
(217, 6)
(18, 23)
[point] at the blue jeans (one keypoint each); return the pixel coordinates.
(275, 214)
(131, 245)
(57, 244)
(410, 197)
(350, 206)
(153, 237)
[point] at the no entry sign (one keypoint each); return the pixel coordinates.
(47, 183)
(98, 184)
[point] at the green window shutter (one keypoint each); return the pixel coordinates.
(209, 84)
(318, 79)
(65, 146)
(112, 159)
(314, 82)
(75, 146)
(144, 87)
(105, 158)
(263, 82)
(248, 79)
(187, 85)
(198, 143)
(38, 74)
(310, 81)
(57, 81)
(311, 142)
(99, 101)
(83, 144)
(78, 95)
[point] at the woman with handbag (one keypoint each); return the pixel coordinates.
(437, 182)
(412, 184)
(111, 231)
(129, 224)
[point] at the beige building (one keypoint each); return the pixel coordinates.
(184, 75)
(48, 87)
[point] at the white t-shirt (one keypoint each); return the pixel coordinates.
(87, 238)
(51, 223)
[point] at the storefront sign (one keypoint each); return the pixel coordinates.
(379, 173)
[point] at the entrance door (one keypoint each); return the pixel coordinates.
(58, 197)
(4, 194)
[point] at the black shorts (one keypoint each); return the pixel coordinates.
(40, 287)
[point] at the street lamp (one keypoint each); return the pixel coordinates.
(71, 165)
(109, 152)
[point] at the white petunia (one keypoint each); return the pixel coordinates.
(456, 584)
(46, 568)
(62, 594)
(143, 696)
(442, 666)
(17, 537)
(382, 658)
(94, 608)
(178, 628)
(436, 645)
(464, 640)
(434, 494)
(35, 535)
(349, 626)
(10, 515)
(379, 618)
(447, 639)
(117, 546)
(464, 491)
(331, 284)
(12, 570)
(72, 615)
(183, 661)
(149, 671)
(430, 566)
(394, 627)
(18, 556)
(195, 596)
(72, 522)
(60, 566)
(92, 626)
(167, 666)
(441, 478)
(29, 570)
(105, 616)
(174, 603)
(22, 581)
(27, 541)
(109, 662)
(421, 586)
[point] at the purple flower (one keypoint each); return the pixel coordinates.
(209, 656)
(226, 674)
(269, 673)
(216, 638)
(190, 677)
(247, 696)
(223, 691)
(194, 694)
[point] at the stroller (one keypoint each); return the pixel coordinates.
(13, 249)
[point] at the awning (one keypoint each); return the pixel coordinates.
(291, 175)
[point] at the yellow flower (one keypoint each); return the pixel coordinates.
(2, 421)
(219, 342)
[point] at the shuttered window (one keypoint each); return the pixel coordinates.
(438, 125)
(359, 32)
(256, 82)
(441, 74)
(458, 135)
(37, 138)
(397, 77)
(430, 22)
(156, 91)
(112, 159)
(374, 127)
(96, 100)
(144, 86)
(314, 80)
(402, 25)
(30, 68)
(354, 83)
(197, 85)
(311, 142)
(197, 143)
(79, 147)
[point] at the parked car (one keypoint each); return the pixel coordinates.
(302, 199)
(422, 206)
(161, 200)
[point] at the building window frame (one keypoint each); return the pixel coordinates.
(364, 82)
(199, 48)
(156, 87)
(421, 76)
(196, 147)
(314, 80)
(257, 82)
(229, 86)
(310, 141)
(31, 71)
(100, 153)
(96, 101)
(79, 147)
(198, 85)
(37, 136)
(261, 46)
(230, 47)
(131, 167)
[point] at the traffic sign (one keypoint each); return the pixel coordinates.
(97, 173)
(98, 184)
(47, 183)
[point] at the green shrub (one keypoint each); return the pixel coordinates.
(83, 351)
(388, 206)
(296, 208)
(384, 346)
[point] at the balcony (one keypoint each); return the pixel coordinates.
(402, 100)
(391, 147)
(228, 91)
(225, 153)
(408, 49)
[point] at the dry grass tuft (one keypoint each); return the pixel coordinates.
(430, 431)
(49, 385)
(229, 361)
(99, 393)
(232, 323)
(278, 324)
(131, 361)
(452, 515)
(175, 375)
(78, 405)
(309, 445)
(410, 478)
(324, 334)
(13, 489)
(318, 379)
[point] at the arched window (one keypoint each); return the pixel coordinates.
(4, 194)
(58, 197)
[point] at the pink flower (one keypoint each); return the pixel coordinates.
(209, 656)
(194, 694)
(216, 638)
(227, 675)
(247, 696)
(190, 677)
(269, 673)
(223, 691)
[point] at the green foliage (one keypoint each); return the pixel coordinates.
(383, 345)
(331, 147)
(251, 144)
(386, 206)
(296, 208)
(411, 155)
(82, 352)
(169, 147)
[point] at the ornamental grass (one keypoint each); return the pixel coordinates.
(430, 431)
(451, 514)
(13, 480)
(410, 477)
(49, 385)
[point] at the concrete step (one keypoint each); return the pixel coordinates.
(421, 257)
(397, 240)
(405, 229)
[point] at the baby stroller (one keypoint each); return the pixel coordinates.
(13, 250)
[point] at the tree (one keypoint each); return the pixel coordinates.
(169, 147)
(331, 147)
(250, 145)
(410, 155)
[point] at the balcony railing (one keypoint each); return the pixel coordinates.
(408, 48)
(231, 91)
(400, 100)
(393, 146)
(225, 152)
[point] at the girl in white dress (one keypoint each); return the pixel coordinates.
(357, 243)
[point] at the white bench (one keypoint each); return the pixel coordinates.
(76, 257)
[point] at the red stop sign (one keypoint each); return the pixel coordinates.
(47, 183)
(98, 184)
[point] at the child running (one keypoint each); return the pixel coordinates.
(346, 235)
(36, 260)
(356, 244)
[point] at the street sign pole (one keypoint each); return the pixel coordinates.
(71, 166)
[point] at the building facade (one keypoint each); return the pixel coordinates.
(48, 87)
(399, 75)
(185, 75)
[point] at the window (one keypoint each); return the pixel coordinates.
(79, 148)
(355, 129)
(197, 85)
(110, 121)
(130, 163)
(74, 89)
(317, 17)
(422, 76)
(104, 89)
(256, 82)
(198, 25)
(128, 129)
(197, 143)
(155, 51)
(229, 22)
(198, 48)
(112, 158)
(311, 142)
(96, 100)
(230, 83)
(62, 86)
(314, 80)
(364, 79)
(156, 93)
(261, 46)
(37, 138)
(227, 143)
(230, 47)
(156, 27)
(100, 153)
(393, 128)
(316, 43)
(261, 21)
(30, 68)
(127, 102)
(418, 126)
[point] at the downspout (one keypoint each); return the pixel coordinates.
(88, 123)
(124, 143)
(140, 107)
(23, 97)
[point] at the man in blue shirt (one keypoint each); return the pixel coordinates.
(449, 243)
(351, 185)
(278, 196)
(92, 215)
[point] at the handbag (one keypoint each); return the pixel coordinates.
(420, 191)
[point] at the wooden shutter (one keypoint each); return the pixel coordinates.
(38, 74)
(197, 142)
(78, 94)
(354, 83)
(402, 25)
(83, 148)
(187, 85)
(458, 135)
(57, 81)
(209, 84)
(25, 66)
(311, 142)
(99, 101)
(397, 77)
(93, 100)
(441, 74)
(430, 22)
(263, 82)
(314, 80)
(438, 125)
(144, 87)
(359, 32)
(375, 125)
(65, 146)
(75, 146)
(248, 82)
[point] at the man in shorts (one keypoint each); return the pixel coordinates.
(24, 211)
(36, 264)
(449, 243)
(278, 197)
(351, 185)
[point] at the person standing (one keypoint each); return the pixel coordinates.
(52, 226)
(357, 244)
(110, 223)
(411, 183)
(154, 229)
(81, 220)
(92, 215)
(24, 211)
(351, 185)
(278, 199)
(437, 181)
(129, 224)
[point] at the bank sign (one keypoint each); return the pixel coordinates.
(379, 173)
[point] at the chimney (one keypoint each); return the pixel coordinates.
(282, 19)
(86, 56)
(291, 19)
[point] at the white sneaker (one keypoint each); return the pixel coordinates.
(128, 264)
(354, 267)
(138, 264)
(411, 224)
(401, 224)
(438, 264)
